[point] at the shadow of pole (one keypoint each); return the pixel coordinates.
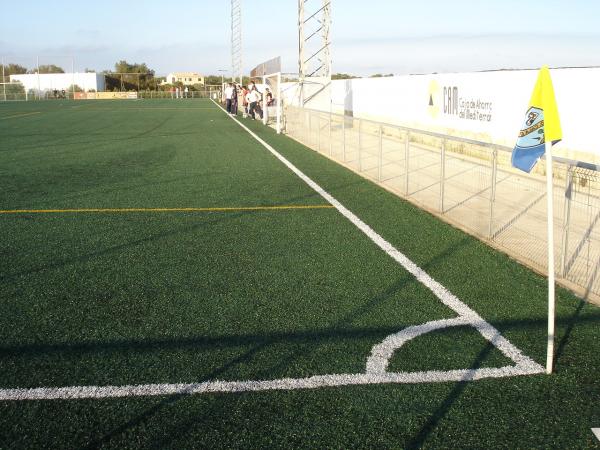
(419, 439)
(170, 400)
(570, 324)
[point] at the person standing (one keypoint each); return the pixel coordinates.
(245, 101)
(229, 98)
(234, 100)
(185, 92)
(254, 97)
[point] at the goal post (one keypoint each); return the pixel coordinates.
(272, 101)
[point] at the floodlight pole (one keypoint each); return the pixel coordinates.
(236, 40)
(314, 46)
(301, 43)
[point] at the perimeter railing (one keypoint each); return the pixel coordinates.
(48, 95)
(472, 185)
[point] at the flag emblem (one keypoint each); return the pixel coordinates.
(532, 133)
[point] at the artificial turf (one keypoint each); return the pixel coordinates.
(169, 297)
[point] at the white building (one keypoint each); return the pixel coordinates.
(187, 78)
(59, 81)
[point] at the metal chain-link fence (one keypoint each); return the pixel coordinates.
(472, 185)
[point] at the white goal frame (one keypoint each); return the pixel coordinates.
(277, 95)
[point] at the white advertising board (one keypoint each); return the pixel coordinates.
(487, 106)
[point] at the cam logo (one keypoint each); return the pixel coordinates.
(532, 133)
(433, 107)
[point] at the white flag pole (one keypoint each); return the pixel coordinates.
(551, 299)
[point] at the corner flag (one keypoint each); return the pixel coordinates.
(540, 131)
(542, 124)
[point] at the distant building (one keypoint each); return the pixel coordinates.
(59, 81)
(187, 78)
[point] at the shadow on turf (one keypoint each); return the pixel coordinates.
(170, 400)
(377, 300)
(107, 251)
(260, 342)
(63, 139)
(335, 330)
(570, 325)
(421, 436)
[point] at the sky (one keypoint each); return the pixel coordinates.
(368, 37)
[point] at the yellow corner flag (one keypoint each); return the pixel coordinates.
(540, 131)
(542, 124)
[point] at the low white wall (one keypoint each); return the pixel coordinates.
(60, 81)
(487, 106)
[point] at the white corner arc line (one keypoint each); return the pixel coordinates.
(376, 364)
(596, 432)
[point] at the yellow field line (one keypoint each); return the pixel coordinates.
(20, 115)
(129, 210)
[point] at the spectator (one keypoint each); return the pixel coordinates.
(245, 92)
(186, 91)
(254, 97)
(269, 97)
(229, 90)
(234, 100)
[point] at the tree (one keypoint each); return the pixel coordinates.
(380, 75)
(13, 88)
(128, 77)
(144, 76)
(214, 80)
(74, 88)
(12, 69)
(342, 76)
(48, 68)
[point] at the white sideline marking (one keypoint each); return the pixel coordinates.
(376, 363)
(596, 432)
(314, 382)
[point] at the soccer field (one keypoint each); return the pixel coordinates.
(168, 281)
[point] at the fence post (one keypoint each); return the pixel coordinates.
(344, 136)
(319, 132)
(330, 143)
(279, 111)
(309, 135)
(380, 162)
(442, 175)
(493, 192)
(406, 151)
(566, 220)
(359, 145)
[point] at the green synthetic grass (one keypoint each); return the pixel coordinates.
(131, 298)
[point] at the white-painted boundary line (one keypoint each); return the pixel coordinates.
(596, 432)
(376, 363)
